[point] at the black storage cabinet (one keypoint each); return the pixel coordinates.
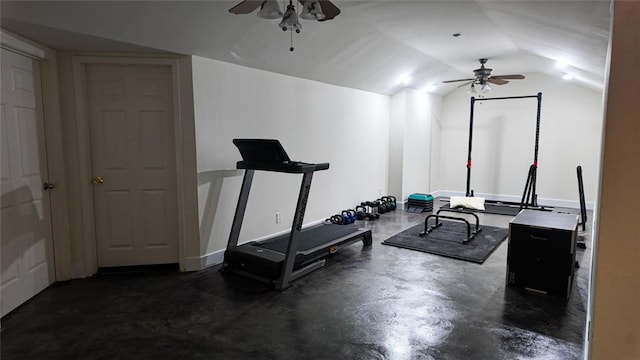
(541, 252)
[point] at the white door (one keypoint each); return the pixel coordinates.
(26, 245)
(133, 160)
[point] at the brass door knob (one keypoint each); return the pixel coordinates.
(97, 180)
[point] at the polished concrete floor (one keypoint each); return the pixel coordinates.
(380, 302)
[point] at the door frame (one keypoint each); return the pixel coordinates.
(184, 166)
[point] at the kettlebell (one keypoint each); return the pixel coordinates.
(352, 215)
(391, 202)
(380, 206)
(373, 210)
(345, 217)
(335, 219)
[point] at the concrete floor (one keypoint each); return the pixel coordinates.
(380, 302)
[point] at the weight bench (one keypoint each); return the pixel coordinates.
(470, 233)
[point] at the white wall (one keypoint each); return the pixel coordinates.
(413, 114)
(422, 111)
(396, 143)
(315, 122)
(503, 140)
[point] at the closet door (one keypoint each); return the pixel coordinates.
(26, 245)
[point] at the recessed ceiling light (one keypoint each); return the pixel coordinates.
(405, 80)
(567, 77)
(561, 64)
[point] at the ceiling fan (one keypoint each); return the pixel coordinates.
(321, 10)
(483, 77)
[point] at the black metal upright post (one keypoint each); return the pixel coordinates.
(294, 236)
(534, 200)
(240, 209)
(529, 196)
(583, 204)
(535, 149)
(469, 192)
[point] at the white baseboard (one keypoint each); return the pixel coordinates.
(512, 198)
(197, 263)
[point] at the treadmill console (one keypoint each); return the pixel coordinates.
(269, 155)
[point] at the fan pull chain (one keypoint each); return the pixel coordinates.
(291, 31)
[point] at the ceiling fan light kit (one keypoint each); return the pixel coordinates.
(319, 10)
(290, 19)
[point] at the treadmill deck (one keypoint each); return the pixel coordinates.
(266, 258)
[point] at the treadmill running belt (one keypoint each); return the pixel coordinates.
(311, 237)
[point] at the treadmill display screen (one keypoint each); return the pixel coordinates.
(262, 150)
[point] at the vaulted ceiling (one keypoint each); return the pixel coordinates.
(370, 46)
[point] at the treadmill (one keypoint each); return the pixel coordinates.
(282, 259)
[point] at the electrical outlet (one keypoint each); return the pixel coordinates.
(278, 217)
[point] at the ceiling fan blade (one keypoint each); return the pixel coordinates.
(246, 7)
(330, 11)
(497, 81)
(510, 77)
(467, 83)
(450, 81)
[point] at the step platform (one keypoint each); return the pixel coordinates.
(418, 203)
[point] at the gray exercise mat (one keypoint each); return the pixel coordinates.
(447, 241)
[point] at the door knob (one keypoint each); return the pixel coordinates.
(97, 180)
(48, 186)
